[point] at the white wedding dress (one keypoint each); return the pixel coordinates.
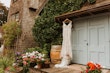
(66, 52)
(66, 44)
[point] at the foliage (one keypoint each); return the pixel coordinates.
(18, 59)
(10, 32)
(4, 14)
(6, 64)
(31, 57)
(1, 70)
(34, 49)
(46, 30)
(26, 68)
(9, 53)
(91, 1)
(41, 50)
(92, 68)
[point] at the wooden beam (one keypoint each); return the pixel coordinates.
(91, 10)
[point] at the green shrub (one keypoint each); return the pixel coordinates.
(46, 30)
(41, 50)
(5, 62)
(10, 32)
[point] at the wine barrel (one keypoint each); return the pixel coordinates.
(55, 54)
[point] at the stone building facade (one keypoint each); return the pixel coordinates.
(25, 12)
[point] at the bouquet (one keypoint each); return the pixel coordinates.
(92, 68)
(34, 56)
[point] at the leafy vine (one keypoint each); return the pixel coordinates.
(46, 30)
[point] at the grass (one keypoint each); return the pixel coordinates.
(6, 62)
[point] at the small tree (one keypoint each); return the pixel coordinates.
(10, 32)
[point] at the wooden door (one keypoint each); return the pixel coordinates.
(79, 39)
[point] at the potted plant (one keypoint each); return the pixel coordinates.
(31, 57)
(92, 68)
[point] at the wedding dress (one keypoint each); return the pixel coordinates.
(66, 44)
(66, 52)
(66, 60)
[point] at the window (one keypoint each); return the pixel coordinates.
(32, 9)
(15, 16)
(1, 11)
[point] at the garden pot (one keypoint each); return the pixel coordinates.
(32, 64)
(39, 66)
(55, 54)
(46, 65)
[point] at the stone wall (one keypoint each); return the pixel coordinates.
(28, 11)
(14, 8)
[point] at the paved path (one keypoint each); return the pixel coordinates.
(74, 68)
(59, 70)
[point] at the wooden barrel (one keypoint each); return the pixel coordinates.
(55, 54)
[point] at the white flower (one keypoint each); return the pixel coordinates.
(33, 52)
(37, 56)
(42, 59)
(14, 64)
(24, 56)
(27, 53)
(36, 66)
(43, 55)
(37, 52)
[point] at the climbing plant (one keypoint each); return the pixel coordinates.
(10, 32)
(46, 30)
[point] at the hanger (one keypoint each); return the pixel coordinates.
(67, 20)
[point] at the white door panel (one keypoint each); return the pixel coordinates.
(79, 42)
(90, 39)
(97, 37)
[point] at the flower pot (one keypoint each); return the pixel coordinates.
(39, 66)
(32, 64)
(46, 65)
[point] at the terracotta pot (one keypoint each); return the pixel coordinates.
(39, 66)
(32, 64)
(46, 65)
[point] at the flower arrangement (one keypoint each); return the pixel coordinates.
(92, 68)
(31, 57)
(34, 56)
(27, 58)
